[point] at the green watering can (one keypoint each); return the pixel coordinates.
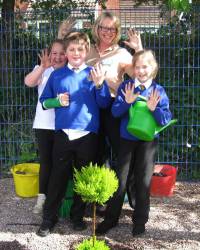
(142, 123)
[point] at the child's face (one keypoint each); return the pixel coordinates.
(143, 70)
(57, 55)
(76, 53)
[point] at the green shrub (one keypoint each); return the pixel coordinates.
(95, 184)
(88, 245)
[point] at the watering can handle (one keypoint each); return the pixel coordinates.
(161, 128)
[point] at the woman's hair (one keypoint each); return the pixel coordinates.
(149, 56)
(77, 37)
(60, 41)
(99, 21)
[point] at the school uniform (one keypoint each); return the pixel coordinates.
(44, 126)
(76, 128)
(136, 158)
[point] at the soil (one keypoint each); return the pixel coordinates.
(174, 223)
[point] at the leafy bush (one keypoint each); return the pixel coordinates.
(88, 245)
(95, 184)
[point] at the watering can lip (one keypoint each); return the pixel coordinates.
(143, 98)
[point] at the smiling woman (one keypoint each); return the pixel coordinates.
(116, 62)
(107, 29)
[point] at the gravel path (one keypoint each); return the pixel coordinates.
(174, 223)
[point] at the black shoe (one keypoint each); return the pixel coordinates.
(46, 227)
(138, 229)
(104, 227)
(79, 225)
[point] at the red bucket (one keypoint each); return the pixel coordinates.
(163, 180)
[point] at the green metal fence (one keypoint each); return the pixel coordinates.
(176, 42)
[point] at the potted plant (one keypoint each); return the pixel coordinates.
(95, 185)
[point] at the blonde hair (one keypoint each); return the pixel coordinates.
(149, 56)
(99, 21)
(77, 37)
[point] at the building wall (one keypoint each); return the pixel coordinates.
(112, 4)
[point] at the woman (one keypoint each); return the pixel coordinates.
(116, 62)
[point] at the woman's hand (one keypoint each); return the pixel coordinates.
(134, 40)
(98, 75)
(129, 95)
(153, 100)
(66, 27)
(45, 60)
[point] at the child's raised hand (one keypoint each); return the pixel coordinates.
(64, 99)
(153, 100)
(129, 95)
(98, 74)
(45, 60)
(134, 40)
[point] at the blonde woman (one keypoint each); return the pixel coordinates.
(116, 61)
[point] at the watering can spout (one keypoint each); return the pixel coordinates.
(158, 129)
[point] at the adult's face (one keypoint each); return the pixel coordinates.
(107, 31)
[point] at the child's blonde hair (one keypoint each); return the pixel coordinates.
(98, 23)
(78, 37)
(149, 56)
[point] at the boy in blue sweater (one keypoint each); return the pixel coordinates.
(136, 157)
(76, 91)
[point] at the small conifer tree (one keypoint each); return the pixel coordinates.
(95, 185)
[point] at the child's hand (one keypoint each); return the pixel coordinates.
(129, 95)
(45, 60)
(134, 41)
(64, 99)
(98, 75)
(153, 100)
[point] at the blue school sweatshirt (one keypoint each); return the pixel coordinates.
(120, 107)
(85, 99)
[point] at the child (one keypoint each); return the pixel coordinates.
(77, 100)
(44, 122)
(136, 157)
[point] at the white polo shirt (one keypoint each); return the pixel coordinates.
(44, 119)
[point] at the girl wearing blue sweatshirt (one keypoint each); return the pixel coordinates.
(136, 157)
(77, 92)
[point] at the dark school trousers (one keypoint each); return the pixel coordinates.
(81, 151)
(135, 158)
(45, 140)
(108, 137)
